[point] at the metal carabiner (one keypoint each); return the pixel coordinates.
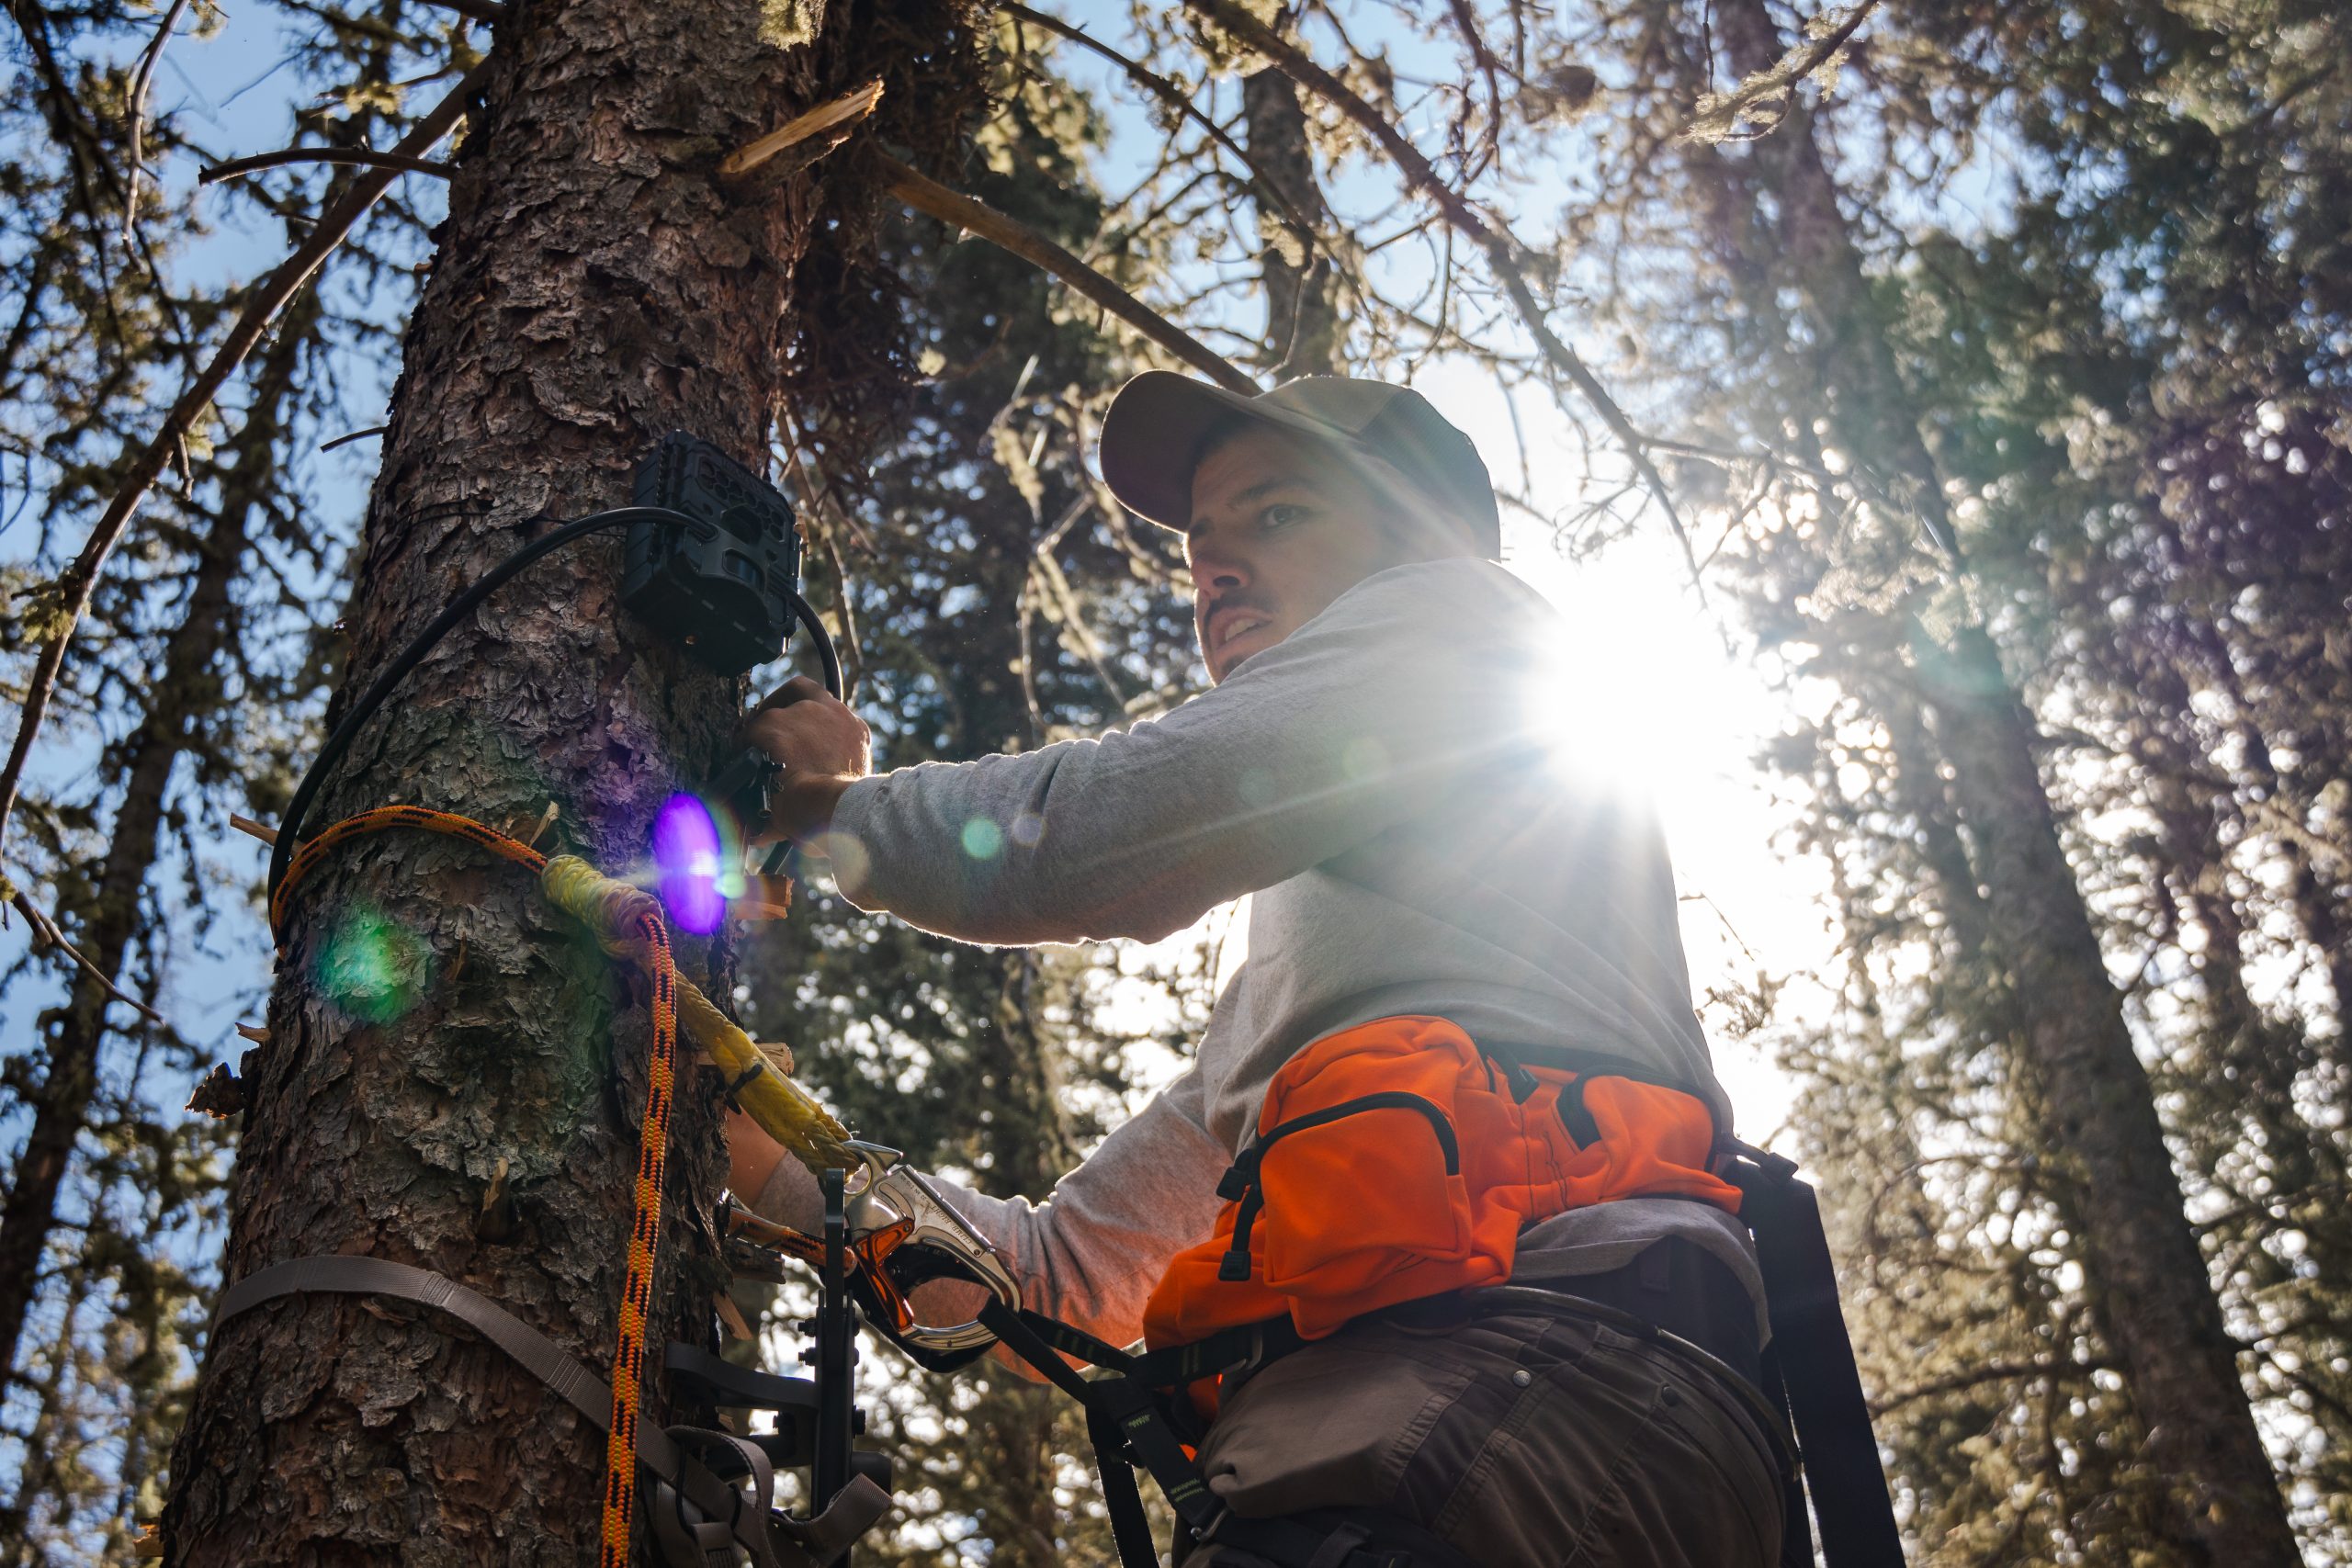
(894, 1195)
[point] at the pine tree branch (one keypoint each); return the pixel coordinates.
(69, 597)
(141, 80)
(929, 196)
(1466, 22)
(48, 930)
(360, 157)
(845, 111)
(1720, 115)
(1502, 252)
(1994, 1371)
(349, 437)
(1175, 98)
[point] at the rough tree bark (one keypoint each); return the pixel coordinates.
(184, 692)
(2092, 1097)
(435, 1028)
(1304, 329)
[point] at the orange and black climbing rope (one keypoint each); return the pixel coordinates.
(630, 921)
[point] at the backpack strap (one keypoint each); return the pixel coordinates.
(1823, 1401)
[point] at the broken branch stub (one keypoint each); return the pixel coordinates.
(844, 111)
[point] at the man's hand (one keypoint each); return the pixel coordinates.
(822, 747)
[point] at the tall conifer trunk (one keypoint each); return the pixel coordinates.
(2091, 1095)
(185, 693)
(1027, 1145)
(1304, 329)
(435, 1029)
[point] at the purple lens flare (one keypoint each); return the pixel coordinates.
(691, 862)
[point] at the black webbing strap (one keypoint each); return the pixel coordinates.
(1227, 1349)
(769, 1539)
(1122, 1499)
(1128, 1426)
(1822, 1389)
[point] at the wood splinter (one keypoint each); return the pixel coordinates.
(843, 110)
(253, 830)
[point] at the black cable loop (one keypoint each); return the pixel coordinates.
(289, 830)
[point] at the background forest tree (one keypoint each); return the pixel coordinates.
(2014, 330)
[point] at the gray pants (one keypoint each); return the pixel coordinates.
(1528, 1439)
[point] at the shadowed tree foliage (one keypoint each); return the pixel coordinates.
(1000, 601)
(2019, 383)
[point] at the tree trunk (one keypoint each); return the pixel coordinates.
(2094, 1104)
(1021, 1424)
(45, 1454)
(1304, 329)
(434, 1023)
(185, 693)
(2096, 1108)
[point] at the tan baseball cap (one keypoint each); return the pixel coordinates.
(1153, 435)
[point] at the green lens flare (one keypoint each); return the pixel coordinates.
(982, 839)
(373, 969)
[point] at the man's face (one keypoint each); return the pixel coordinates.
(1280, 528)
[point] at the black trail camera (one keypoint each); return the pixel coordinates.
(722, 581)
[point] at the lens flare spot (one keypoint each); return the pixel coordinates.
(729, 876)
(688, 862)
(372, 969)
(983, 839)
(847, 855)
(1027, 829)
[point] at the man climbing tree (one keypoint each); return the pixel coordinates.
(452, 1076)
(1462, 962)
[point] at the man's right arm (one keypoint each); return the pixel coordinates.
(1411, 687)
(1089, 1254)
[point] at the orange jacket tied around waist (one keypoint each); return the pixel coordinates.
(1397, 1160)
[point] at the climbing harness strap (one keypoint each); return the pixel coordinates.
(1136, 1416)
(1128, 1425)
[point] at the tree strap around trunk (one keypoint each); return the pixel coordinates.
(770, 1540)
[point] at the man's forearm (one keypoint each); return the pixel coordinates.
(753, 1156)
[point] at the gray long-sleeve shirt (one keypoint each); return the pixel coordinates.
(1405, 788)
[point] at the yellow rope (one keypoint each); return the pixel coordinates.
(784, 1110)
